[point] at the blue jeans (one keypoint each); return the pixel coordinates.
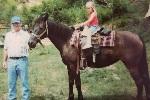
(93, 29)
(18, 68)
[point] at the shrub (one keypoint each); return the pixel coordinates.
(104, 14)
(120, 7)
(72, 15)
(8, 9)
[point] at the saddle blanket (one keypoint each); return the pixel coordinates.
(104, 41)
(108, 40)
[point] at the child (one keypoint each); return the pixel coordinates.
(92, 21)
(90, 27)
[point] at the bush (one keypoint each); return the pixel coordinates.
(8, 9)
(70, 12)
(120, 7)
(104, 14)
(72, 15)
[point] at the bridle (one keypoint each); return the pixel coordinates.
(41, 34)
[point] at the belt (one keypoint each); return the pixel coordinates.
(17, 57)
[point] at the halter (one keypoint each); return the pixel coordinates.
(46, 30)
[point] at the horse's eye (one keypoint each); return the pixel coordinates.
(41, 26)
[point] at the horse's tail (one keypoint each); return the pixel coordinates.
(143, 58)
(144, 71)
(143, 63)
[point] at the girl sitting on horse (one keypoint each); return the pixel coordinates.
(92, 22)
(90, 27)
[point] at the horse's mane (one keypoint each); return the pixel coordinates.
(60, 30)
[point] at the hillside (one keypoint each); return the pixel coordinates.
(136, 21)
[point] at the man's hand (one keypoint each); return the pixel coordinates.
(5, 56)
(5, 65)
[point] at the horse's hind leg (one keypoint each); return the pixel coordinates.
(146, 81)
(145, 75)
(135, 74)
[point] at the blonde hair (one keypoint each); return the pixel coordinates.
(90, 4)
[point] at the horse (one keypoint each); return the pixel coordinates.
(129, 48)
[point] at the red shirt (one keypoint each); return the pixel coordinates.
(94, 21)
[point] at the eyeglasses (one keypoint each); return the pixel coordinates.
(15, 24)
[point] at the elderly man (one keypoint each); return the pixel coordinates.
(15, 59)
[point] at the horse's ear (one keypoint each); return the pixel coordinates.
(45, 16)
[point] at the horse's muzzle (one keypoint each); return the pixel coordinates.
(32, 42)
(31, 45)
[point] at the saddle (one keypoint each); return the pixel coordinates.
(101, 38)
(104, 31)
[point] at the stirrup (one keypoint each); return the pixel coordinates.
(83, 63)
(94, 57)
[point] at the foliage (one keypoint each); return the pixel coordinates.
(104, 14)
(62, 11)
(70, 12)
(72, 15)
(8, 9)
(120, 7)
(26, 15)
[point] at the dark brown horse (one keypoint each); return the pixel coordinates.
(129, 48)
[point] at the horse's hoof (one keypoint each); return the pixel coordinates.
(71, 97)
(80, 97)
(148, 98)
(139, 98)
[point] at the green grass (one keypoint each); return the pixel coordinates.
(49, 79)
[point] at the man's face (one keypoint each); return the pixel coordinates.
(16, 26)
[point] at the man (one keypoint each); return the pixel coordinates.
(15, 59)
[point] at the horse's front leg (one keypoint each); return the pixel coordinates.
(71, 75)
(78, 86)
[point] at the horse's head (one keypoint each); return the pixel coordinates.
(40, 30)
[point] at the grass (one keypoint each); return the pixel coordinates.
(49, 80)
